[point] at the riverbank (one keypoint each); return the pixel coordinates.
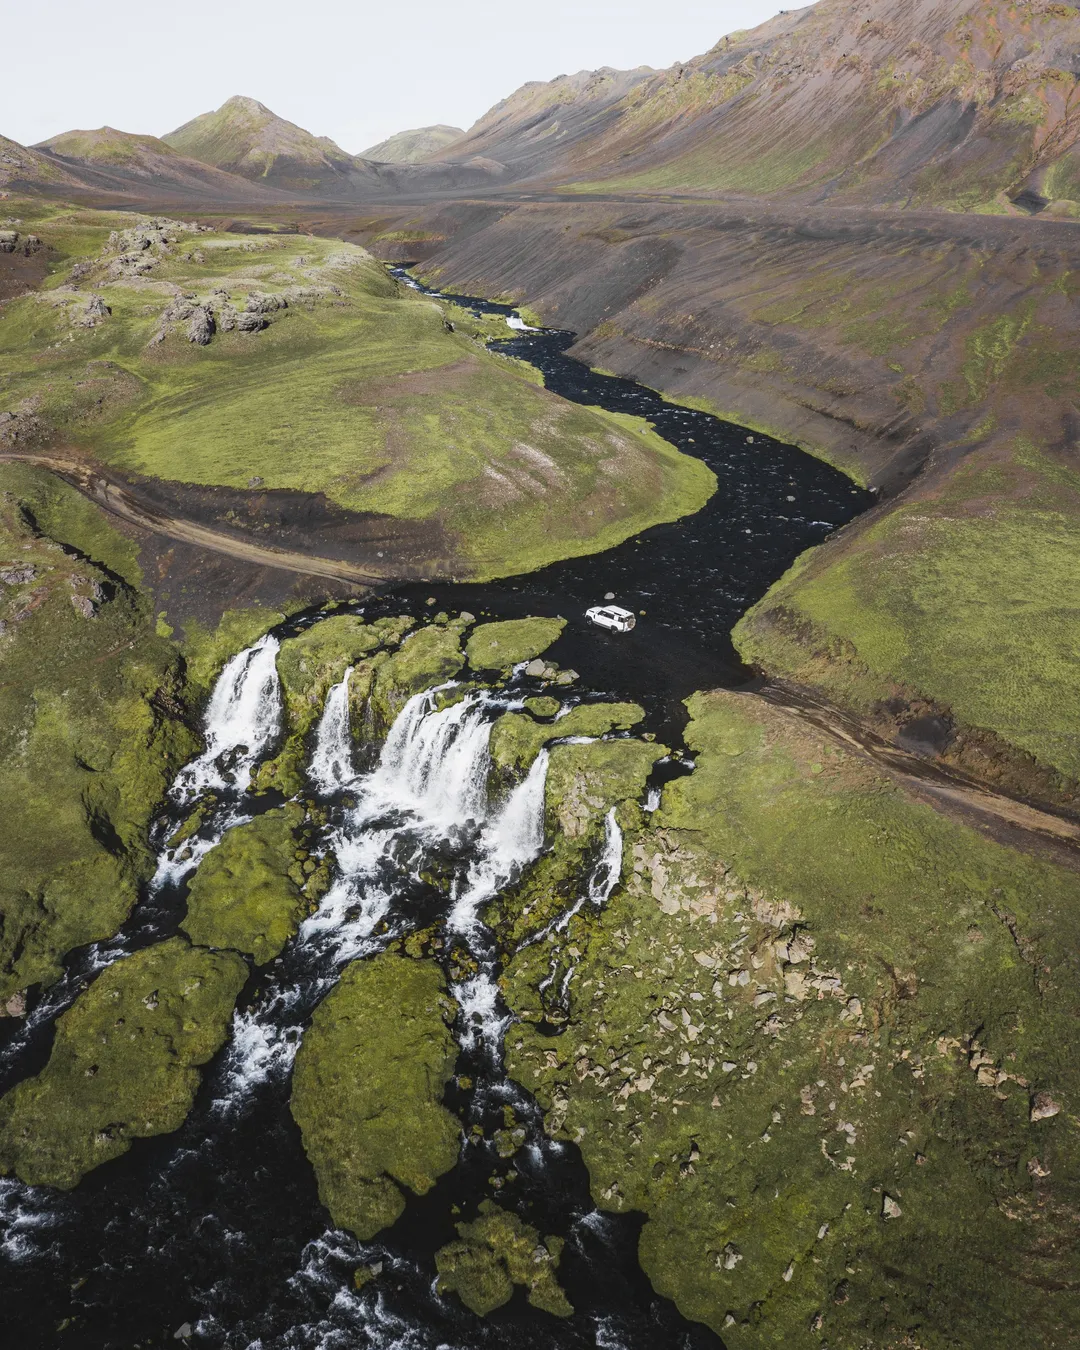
(932, 356)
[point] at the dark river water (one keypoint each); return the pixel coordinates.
(694, 578)
(214, 1236)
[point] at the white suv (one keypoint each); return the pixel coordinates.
(611, 617)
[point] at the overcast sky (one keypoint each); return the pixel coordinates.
(339, 69)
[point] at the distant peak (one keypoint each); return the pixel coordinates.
(241, 103)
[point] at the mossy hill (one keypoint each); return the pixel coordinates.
(124, 1065)
(244, 137)
(960, 606)
(367, 1090)
(283, 362)
(93, 725)
(498, 646)
(819, 1037)
(493, 1254)
(252, 890)
(413, 147)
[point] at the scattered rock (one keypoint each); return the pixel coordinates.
(1043, 1107)
(15, 1005)
(94, 311)
(201, 328)
(889, 1208)
(21, 573)
(729, 1258)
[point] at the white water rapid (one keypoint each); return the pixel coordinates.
(331, 761)
(243, 717)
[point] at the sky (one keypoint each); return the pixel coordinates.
(338, 69)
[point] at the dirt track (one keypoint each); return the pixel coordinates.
(117, 500)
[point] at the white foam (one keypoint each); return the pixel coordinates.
(331, 765)
(242, 718)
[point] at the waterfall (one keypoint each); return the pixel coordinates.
(242, 718)
(608, 870)
(602, 881)
(331, 761)
(510, 840)
(435, 763)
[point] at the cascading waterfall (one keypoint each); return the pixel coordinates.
(435, 762)
(243, 717)
(510, 840)
(331, 761)
(428, 789)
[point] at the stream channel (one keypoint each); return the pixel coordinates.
(214, 1235)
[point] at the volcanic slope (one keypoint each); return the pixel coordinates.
(275, 364)
(413, 147)
(969, 104)
(244, 137)
(139, 166)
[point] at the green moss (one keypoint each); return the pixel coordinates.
(804, 1037)
(542, 706)
(498, 646)
(88, 737)
(962, 604)
(356, 390)
(516, 739)
(495, 1252)
(430, 656)
(124, 1064)
(243, 896)
(583, 783)
(368, 1086)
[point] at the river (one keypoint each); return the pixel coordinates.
(215, 1234)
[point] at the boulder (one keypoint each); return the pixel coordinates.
(201, 326)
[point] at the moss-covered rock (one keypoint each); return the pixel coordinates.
(124, 1064)
(495, 1252)
(583, 783)
(543, 705)
(92, 725)
(308, 665)
(367, 1090)
(247, 893)
(498, 646)
(430, 656)
(516, 739)
(809, 1038)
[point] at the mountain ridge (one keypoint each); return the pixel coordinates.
(413, 146)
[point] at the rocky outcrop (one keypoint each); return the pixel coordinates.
(124, 1065)
(367, 1090)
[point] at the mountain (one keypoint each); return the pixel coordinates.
(412, 147)
(244, 137)
(546, 125)
(967, 104)
(124, 161)
(23, 168)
